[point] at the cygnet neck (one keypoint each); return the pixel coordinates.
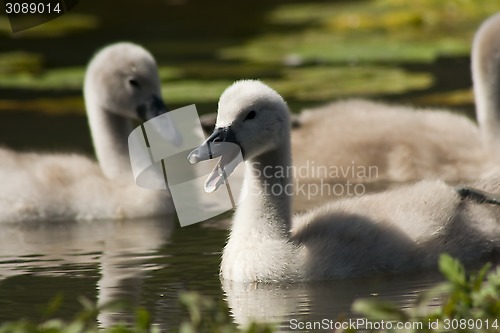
(267, 204)
(486, 77)
(109, 135)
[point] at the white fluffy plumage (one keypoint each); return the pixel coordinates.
(121, 79)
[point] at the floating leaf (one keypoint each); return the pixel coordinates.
(53, 106)
(379, 30)
(326, 83)
(20, 62)
(194, 91)
(456, 97)
(70, 78)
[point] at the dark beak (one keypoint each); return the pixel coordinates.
(163, 123)
(223, 143)
(152, 108)
(222, 134)
(215, 145)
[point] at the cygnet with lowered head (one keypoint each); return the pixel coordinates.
(389, 232)
(122, 85)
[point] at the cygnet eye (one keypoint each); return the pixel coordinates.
(134, 83)
(251, 115)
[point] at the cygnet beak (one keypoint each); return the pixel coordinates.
(165, 125)
(223, 143)
(219, 143)
(152, 108)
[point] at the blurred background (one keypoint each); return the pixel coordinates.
(412, 52)
(310, 51)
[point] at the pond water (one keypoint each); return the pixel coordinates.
(149, 262)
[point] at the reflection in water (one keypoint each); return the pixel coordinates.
(123, 250)
(262, 302)
(315, 301)
(125, 259)
(126, 251)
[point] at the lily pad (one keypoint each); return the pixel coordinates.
(194, 91)
(320, 46)
(53, 106)
(211, 71)
(368, 31)
(57, 79)
(309, 84)
(451, 98)
(23, 71)
(319, 84)
(20, 62)
(169, 73)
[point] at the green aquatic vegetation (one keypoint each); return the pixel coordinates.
(314, 83)
(340, 48)
(471, 301)
(82, 322)
(52, 106)
(228, 71)
(456, 97)
(326, 83)
(203, 315)
(20, 62)
(419, 17)
(169, 73)
(470, 298)
(70, 78)
(24, 71)
(321, 46)
(193, 91)
(377, 30)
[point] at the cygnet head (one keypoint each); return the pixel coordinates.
(123, 79)
(253, 116)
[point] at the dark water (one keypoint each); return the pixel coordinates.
(144, 262)
(149, 262)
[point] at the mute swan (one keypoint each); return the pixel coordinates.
(405, 143)
(367, 141)
(121, 85)
(392, 231)
(371, 141)
(408, 144)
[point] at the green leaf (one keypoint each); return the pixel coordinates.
(143, 319)
(452, 269)
(478, 279)
(53, 306)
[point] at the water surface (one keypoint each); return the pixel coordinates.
(311, 56)
(149, 262)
